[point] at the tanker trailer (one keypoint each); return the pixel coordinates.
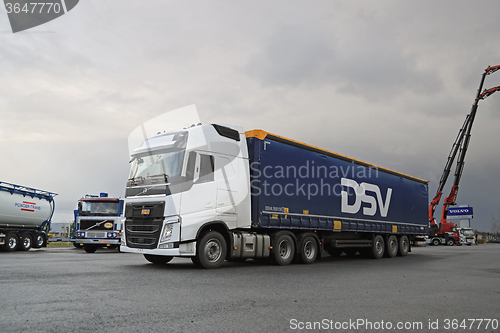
(25, 215)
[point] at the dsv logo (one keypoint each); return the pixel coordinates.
(26, 14)
(361, 196)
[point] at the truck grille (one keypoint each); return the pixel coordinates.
(85, 224)
(142, 231)
(96, 234)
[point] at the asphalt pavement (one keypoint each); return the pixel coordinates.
(433, 289)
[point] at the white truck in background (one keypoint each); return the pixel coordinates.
(467, 236)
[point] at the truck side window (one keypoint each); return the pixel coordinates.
(206, 168)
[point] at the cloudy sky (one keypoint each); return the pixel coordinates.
(388, 82)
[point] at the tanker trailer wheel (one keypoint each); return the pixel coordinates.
(391, 246)
(40, 240)
(211, 250)
(89, 248)
(26, 242)
(283, 250)
(404, 246)
(160, 260)
(450, 242)
(11, 241)
(377, 247)
(308, 251)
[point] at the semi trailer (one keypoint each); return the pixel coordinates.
(98, 222)
(25, 216)
(213, 193)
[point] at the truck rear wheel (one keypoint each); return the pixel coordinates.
(404, 246)
(211, 250)
(450, 242)
(378, 247)
(391, 246)
(161, 260)
(283, 250)
(308, 250)
(11, 241)
(26, 242)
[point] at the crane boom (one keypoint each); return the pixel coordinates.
(459, 147)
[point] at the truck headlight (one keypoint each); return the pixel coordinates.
(167, 232)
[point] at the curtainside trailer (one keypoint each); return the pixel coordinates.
(215, 193)
(25, 215)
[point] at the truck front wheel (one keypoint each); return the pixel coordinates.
(160, 260)
(436, 242)
(211, 250)
(283, 250)
(89, 248)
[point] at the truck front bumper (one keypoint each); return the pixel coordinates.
(184, 250)
(96, 241)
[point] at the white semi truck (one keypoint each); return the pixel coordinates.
(25, 216)
(213, 192)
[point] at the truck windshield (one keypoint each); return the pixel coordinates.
(157, 165)
(99, 208)
(468, 232)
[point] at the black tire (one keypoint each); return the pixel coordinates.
(378, 247)
(11, 242)
(351, 251)
(391, 248)
(159, 260)
(334, 252)
(211, 250)
(404, 246)
(436, 242)
(283, 250)
(308, 251)
(77, 245)
(89, 248)
(450, 241)
(40, 240)
(196, 262)
(26, 242)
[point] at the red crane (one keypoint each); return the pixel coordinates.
(446, 229)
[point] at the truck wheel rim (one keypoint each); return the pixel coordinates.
(284, 249)
(404, 244)
(213, 250)
(39, 240)
(378, 247)
(12, 243)
(309, 250)
(26, 242)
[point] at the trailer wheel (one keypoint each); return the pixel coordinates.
(283, 250)
(89, 248)
(40, 240)
(450, 242)
(26, 242)
(11, 241)
(378, 247)
(308, 250)
(160, 260)
(436, 242)
(404, 246)
(211, 250)
(391, 246)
